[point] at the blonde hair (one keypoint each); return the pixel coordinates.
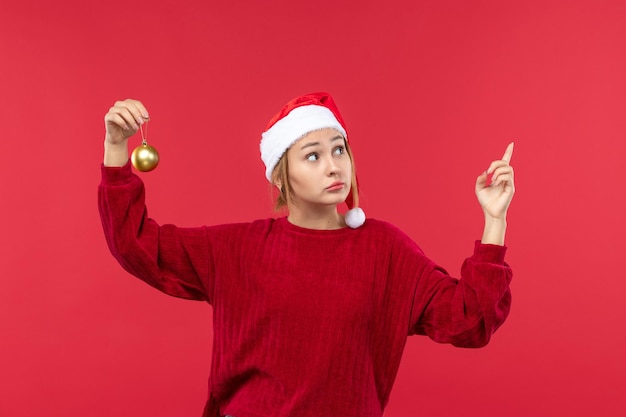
(281, 175)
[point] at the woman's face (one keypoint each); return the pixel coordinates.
(320, 169)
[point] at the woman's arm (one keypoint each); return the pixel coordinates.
(174, 260)
(463, 312)
(495, 197)
(466, 312)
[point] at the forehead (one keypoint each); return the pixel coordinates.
(321, 136)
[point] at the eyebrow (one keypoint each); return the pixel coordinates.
(308, 145)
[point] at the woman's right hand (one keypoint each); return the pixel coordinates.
(121, 122)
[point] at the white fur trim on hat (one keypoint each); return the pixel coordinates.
(285, 132)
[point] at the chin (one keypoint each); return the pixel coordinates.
(336, 202)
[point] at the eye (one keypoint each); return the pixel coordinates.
(312, 157)
(339, 150)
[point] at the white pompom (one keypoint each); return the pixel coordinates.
(355, 218)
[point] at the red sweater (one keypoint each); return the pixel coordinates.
(307, 323)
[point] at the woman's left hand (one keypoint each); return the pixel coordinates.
(495, 198)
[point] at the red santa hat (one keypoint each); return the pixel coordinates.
(300, 116)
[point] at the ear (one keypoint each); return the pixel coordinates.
(280, 187)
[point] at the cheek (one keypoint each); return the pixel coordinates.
(297, 174)
(347, 167)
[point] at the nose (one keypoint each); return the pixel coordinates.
(332, 166)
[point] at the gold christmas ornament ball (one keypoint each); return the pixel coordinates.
(145, 158)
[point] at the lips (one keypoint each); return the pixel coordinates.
(337, 185)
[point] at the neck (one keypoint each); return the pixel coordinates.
(324, 218)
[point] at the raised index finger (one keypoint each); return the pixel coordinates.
(508, 153)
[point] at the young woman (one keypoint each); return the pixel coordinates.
(311, 311)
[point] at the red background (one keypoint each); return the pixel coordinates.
(431, 93)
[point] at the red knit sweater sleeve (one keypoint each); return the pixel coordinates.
(174, 260)
(463, 312)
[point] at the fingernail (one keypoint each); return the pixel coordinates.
(146, 115)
